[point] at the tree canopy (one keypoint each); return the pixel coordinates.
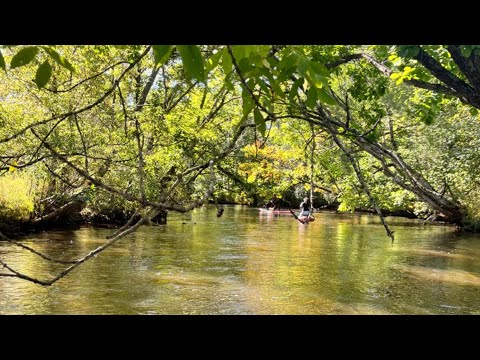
(141, 130)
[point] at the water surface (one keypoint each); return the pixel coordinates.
(251, 263)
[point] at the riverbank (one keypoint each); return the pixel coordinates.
(16, 229)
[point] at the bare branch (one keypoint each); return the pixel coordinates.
(55, 213)
(447, 77)
(127, 224)
(45, 138)
(387, 72)
(46, 257)
(89, 78)
(60, 178)
(140, 160)
(373, 127)
(83, 142)
(146, 89)
(77, 262)
(185, 93)
(344, 60)
(358, 172)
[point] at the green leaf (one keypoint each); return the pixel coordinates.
(325, 97)
(427, 119)
(242, 51)
(408, 51)
(259, 121)
(318, 68)
(266, 64)
(466, 50)
(276, 88)
(263, 86)
(193, 63)
(248, 103)
(311, 97)
(316, 74)
(245, 67)
(59, 59)
(303, 66)
(402, 50)
(398, 61)
(24, 56)
(212, 62)
(373, 136)
(161, 53)
(294, 90)
(44, 72)
(263, 50)
(414, 51)
(268, 104)
(317, 80)
(288, 62)
(2, 62)
(229, 84)
(226, 62)
(250, 49)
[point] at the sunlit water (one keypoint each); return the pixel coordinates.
(251, 263)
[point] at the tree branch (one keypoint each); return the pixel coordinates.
(439, 88)
(466, 65)
(359, 174)
(77, 262)
(344, 60)
(89, 78)
(242, 79)
(447, 77)
(83, 142)
(46, 257)
(146, 89)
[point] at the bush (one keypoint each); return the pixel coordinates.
(16, 197)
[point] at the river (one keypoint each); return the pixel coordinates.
(250, 263)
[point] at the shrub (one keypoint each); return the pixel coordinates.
(16, 197)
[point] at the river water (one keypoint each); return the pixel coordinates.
(251, 263)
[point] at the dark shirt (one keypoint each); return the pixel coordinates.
(305, 206)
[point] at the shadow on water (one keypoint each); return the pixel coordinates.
(251, 263)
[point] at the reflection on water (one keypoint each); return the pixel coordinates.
(246, 263)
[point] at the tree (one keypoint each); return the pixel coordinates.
(131, 123)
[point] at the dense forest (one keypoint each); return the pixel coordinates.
(124, 134)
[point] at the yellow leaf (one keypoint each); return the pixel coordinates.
(12, 167)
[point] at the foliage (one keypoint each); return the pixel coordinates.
(16, 196)
(152, 113)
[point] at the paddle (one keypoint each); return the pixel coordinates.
(296, 217)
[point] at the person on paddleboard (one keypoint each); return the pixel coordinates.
(273, 203)
(305, 207)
